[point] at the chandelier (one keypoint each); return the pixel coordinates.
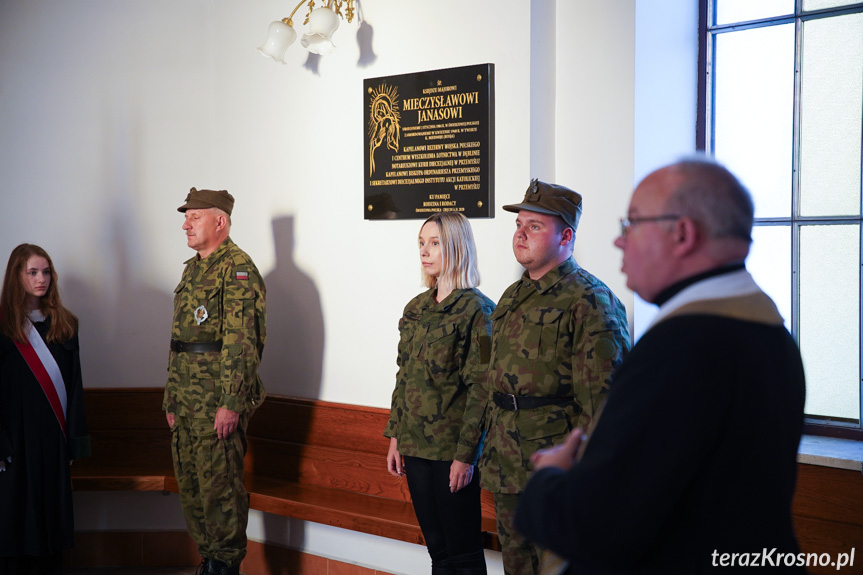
(323, 22)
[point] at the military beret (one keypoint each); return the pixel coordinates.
(550, 199)
(203, 199)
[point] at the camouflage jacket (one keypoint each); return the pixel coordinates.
(219, 298)
(562, 335)
(442, 358)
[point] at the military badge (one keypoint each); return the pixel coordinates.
(242, 275)
(201, 314)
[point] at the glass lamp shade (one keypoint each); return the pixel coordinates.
(323, 23)
(279, 36)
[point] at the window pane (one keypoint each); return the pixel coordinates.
(754, 111)
(809, 5)
(830, 114)
(769, 262)
(728, 11)
(830, 319)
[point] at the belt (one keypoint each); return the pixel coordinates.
(196, 346)
(512, 402)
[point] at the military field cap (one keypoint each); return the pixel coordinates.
(550, 199)
(203, 199)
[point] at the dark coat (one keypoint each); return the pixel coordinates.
(694, 453)
(36, 489)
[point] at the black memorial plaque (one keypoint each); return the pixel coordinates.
(429, 143)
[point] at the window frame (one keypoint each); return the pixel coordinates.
(704, 143)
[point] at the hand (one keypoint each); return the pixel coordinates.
(460, 475)
(226, 422)
(170, 418)
(562, 456)
(394, 459)
(3, 463)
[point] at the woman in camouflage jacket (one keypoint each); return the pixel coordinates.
(435, 422)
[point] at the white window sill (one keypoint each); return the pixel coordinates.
(831, 452)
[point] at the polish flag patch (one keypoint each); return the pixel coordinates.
(242, 275)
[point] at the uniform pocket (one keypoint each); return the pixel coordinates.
(407, 328)
(440, 348)
(542, 327)
(440, 332)
(537, 426)
(212, 301)
(233, 367)
(501, 309)
(239, 313)
(541, 430)
(204, 306)
(178, 291)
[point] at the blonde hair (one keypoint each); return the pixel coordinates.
(458, 251)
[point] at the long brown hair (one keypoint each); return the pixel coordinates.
(13, 300)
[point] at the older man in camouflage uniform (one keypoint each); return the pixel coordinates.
(557, 334)
(213, 386)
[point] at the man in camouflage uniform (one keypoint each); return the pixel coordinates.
(557, 334)
(213, 386)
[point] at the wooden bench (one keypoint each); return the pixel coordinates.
(325, 462)
(309, 459)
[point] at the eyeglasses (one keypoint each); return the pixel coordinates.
(626, 223)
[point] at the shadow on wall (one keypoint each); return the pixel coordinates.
(365, 36)
(293, 357)
(294, 354)
(124, 330)
(365, 41)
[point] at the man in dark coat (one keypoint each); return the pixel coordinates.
(692, 464)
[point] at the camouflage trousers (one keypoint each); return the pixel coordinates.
(520, 557)
(209, 475)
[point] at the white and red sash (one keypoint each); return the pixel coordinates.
(47, 372)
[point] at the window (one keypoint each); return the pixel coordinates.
(781, 105)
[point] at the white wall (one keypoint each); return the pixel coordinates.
(105, 113)
(110, 110)
(106, 127)
(594, 140)
(302, 134)
(666, 78)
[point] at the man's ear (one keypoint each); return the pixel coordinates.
(221, 221)
(686, 236)
(567, 236)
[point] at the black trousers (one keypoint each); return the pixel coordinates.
(27, 565)
(450, 522)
